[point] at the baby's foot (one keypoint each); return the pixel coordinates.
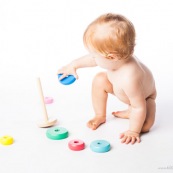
(96, 122)
(121, 114)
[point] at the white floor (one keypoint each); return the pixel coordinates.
(37, 38)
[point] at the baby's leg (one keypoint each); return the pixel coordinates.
(100, 89)
(150, 117)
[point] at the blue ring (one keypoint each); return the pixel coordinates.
(67, 80)
(100, 146)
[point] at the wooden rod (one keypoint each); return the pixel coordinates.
(42, 99)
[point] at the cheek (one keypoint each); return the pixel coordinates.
(104, 63)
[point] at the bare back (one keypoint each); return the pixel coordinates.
(132, 70)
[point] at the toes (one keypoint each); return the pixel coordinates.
(89, 124)
(92, 125)
(121, 114)
(115, 113)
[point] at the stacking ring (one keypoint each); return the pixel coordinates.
(100, 146)
(76, 145)
(67, 80)
(57, 133)
(6, 140)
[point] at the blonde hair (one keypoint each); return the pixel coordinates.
(111, 33)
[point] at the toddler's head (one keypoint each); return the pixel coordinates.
(111, 35)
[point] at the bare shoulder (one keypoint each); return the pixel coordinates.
(136, 75)
(132, 70)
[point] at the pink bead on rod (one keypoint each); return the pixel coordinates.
(48, 100)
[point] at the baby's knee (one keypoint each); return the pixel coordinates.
(146, 127)
(100, 78)
(101, 81)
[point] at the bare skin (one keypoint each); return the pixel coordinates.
(110, 40)
(131, 82)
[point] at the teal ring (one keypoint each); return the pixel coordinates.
(57, 133)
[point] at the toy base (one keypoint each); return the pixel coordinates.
(48, 123)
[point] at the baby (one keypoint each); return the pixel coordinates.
(110, 40)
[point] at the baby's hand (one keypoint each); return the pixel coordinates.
(67, 70)
(130, 137)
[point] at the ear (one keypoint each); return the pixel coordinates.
(112, 56)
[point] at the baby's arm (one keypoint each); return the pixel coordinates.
(135, 92)
(85, 61)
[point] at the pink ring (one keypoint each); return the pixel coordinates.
(48, 100)
(76, 145)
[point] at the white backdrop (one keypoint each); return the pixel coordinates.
(43, 35)
(37, 37)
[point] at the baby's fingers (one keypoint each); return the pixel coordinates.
(133, 140)
(63, 76)
(75, 75)
(121, 135)
(60, 71)
(128, 139)
(124, 139)
(138, 139)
